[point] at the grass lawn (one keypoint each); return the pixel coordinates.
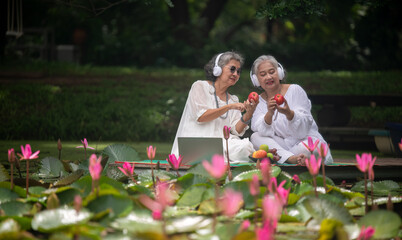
(70, 152)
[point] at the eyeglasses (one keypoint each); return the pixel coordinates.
(233, 69)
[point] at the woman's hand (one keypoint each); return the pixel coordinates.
(250, 106)
(237, 106)
(285, 110)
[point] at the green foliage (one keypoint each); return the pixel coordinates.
(385, 223)
(290, 8)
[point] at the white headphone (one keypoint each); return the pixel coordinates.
(217, 71)
(254, 79)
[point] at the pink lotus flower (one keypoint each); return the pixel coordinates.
(163, 198)
(27, 153)
(163, 194)
(282, 193)
(244, 225)
(152, 205)
(226, 132)
(231, 202)
(366, 233)
(151, 152)
(11, 155)
(174, 162)
(127, 169)
(365, 161)
(313, 165)
(323, 151)
(272, 209)
(266, 232)
(296, 179)
(254, 185)
(265, 170)
(218, 168)
(77, 203)
(85, 144)
(311, 146)
(95, 167)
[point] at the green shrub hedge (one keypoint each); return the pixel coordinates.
(129, 104)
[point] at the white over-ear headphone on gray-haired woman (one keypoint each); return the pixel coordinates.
(217, 71)
(254, 79)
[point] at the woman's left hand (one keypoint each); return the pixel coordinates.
(250, 106)
(286, 110)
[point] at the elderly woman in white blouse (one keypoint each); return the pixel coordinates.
(284, 126)
(210, 107)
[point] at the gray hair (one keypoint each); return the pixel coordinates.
(223, 60)
(264, 58)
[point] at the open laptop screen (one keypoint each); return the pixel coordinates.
(197, 149)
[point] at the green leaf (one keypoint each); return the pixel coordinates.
(194, 195)
(74, 176)
(7, 195)
(381, 188)
(85, 184)
(385, 223)
(120, 153)
(237, 170)
(199, 170)
(58, 219)
(17, 189)
(136, 222)
(9, 229)
(51, 167)
(15, 208)
(24, 222)
(189, 179)
(248, 175)
(242, 187)
(4, 176)
(303, 188)
(36, 191)
(119, 205)
(321, 209)
(67, 196)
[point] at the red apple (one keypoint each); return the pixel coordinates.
(254, 96)
(279, 99)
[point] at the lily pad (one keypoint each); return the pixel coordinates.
(385, 223)
(60, 218)
(7, 195)
(195, 194)
(15, 208)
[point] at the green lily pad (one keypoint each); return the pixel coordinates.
(244, 188)
(381, 188)
(321, 209)
(385, 223)
(17, 189)
(189, 179)
(120, 153)
(4, 176)
(60, 218)
(51, 167)
(7, 195)
(195, 194)
(119, 205)
(15, 208)
(136, 222)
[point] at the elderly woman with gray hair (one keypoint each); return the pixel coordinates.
(210, 107)
(284, 126)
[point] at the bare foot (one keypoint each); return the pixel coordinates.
(297, 159)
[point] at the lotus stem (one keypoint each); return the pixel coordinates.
(27, 178)
(365, 192)
(227, 155)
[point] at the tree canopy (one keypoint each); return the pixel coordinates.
(302, 34)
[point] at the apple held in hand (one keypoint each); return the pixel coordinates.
(254, 96)
(279, 99)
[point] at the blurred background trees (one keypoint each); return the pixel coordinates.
(302, 34)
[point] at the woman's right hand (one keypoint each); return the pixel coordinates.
(271, 106)
(237, 106)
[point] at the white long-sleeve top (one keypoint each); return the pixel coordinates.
(301, 126)
(200, 99)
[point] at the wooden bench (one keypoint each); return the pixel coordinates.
(334, 116)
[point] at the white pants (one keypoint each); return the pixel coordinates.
(285, 151)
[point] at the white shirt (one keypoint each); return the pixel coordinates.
(293, 131)
(200, 99)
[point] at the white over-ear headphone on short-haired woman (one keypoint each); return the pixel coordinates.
(254, 79)
(217, 71)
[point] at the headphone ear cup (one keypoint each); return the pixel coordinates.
(255, 81)
(281, 73)
(217, 71)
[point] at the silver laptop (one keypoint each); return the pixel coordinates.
(197, 149)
